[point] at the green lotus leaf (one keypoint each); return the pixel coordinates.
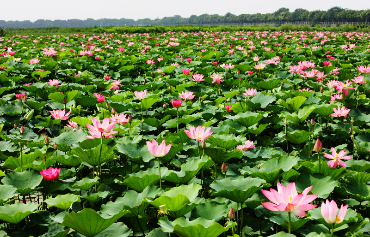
(134, 152)
(6, 192)
(225, 141)
(36, 105)
(148, 102)
(71, 138)
(73, 161)
(199, 227)
(14, 163)
(188, 171)
(283, 221)
(86, 183)
(86, 101)
(142, 179)
(359, 191)
(219, 155)
(358, 165)
(305, 112)
(91, 156)
(359, 177)
(174, 204)
(247, 119)
(236, 189)
(190, 191)
(17, 212)
(269, 85)
(135, 202)
(88, 222)
(24, 182)
(324, 109)
(63, 201)
(116, 229)
(293, 104)
(298, 137)
(95, 197)
(210, 211)
(321, 185)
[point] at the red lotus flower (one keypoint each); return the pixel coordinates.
(176, 103)
(50, 174)
(228, 108)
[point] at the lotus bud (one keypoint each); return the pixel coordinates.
(107, 105)
(55, 146)
(318, 146)
(15, 125)
(321, 89)
(351, 130)
(112, 111)
(352, 120)
(231, 214)
(22, 130)
(46, 141)
(164, 105)
(64, 101)
(170, 88)
(129, 118)
(203, 144)
(312, 122)
(223, 167)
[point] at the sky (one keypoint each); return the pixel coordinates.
(138, 9)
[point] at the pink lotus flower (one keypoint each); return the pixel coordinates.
(329, 212)
(337, 158)
(217, 78)
(50, 174)
(200, 133)
(119, 119)
(248, 145)
(100, 129)
(151, 62)
(250, 92)
(332, 84)
(288, 199)
(363, 69)
(227, 66)
(186, 72)
(158, 151)
(198, 77)
(97, 58)
(107, 78)
(359, 79)
(250, 72)
(341, 87)
(340, 112)
(54, 82)
(176, 103)
(27, 84)
(60, 114)
(100, 99)
(228, 108)
(73, 125)
(318, 146)
(260, 66)
(121, 49)
(21, 96)
(326, 64)
(214, 63)
(140, 94)
(189, 60)
(34, 61)
(187, 95)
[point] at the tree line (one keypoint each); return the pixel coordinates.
(281, 16)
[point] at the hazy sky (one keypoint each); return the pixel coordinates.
(139, 9)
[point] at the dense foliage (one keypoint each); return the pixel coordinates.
(185, 133)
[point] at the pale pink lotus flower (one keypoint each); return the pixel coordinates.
(217, 78)
(140, 94)
(60, 114)
(363, 69)
(336, 96)
(250, 92)
(248, 145)
(288, 199)
(73, 125)
(332, 84)
(119, 119)
(200, 133)
(174, 64)
(256, 58)
(320, 76)
(329, 212)
(54, 82)
(227, 66)
(337, 158)
(150, 62)
(340, 112)
(98, 95)
(260, 66)
(187, 95)
(98, 129)
(359, 79)
(198, 77)
(49, 52)
(158, 150)
(159, 59)
(334, 71)
(34, 61)
(341, 87)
